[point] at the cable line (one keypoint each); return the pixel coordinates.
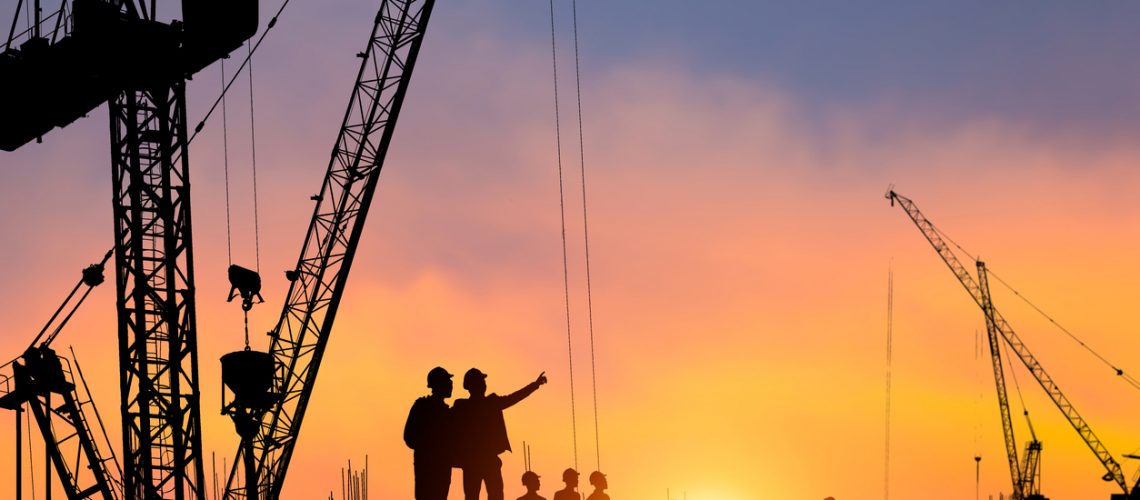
(586, 238)
(226, 164)
(1128, 378)
(253, 153)
(562, 214)
(272, 23)
(1119, 372)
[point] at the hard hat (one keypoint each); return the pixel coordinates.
(529, 477)
(597, 477)
(472, 375)
(569, 473)
(437, 377)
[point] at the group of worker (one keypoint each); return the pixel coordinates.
(570, 492)
(470, 435)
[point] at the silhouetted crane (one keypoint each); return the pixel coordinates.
(317, 281)
(996, 326)
(118, 51)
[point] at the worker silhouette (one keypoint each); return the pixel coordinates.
(483, 433)
(429, 432)
(530, 481)
(570, 492)
(598, 480)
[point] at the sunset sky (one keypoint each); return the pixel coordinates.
(736, 157)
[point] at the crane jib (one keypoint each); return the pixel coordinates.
(1000, 328)
(318, 280)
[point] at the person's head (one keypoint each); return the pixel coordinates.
(440, 382)
(475, 382)
(570, 477)
(530, 480)
(598, 480)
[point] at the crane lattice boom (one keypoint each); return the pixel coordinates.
(318, 280)
(995, 320)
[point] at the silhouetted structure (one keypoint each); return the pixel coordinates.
(429, 433)
(598, 481)
(531, 481)
(570, 492)
(483, 433)
(317, 281)
(245, 283)
(1024, 476)
(249, 375)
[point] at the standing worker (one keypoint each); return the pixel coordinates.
(598, 480)
(531, 482)
(570, 477)
(429, 433)
(483, 436)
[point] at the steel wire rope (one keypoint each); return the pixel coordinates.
(1128, 378)
(252, 49)
(1119, 372)
(1016, 385)
(562, 214)
(253, 159)
(586, 238)
(226, 166)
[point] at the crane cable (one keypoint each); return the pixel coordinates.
(253, 154)
(562, 214)
(226, 165)
(253, 162)
(253, 48)
(1119, 372)
(1128, 378)
(586, 238)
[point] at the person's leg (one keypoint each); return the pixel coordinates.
(471, 480)
(494, 477)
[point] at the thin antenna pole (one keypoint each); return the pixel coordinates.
(890, 334)
(19, 442)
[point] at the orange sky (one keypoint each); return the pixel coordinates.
(739, 267)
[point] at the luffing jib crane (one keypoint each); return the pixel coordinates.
(317, 282)
(46, 383)
(997, 326)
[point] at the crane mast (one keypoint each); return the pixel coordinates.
(1015, 472)
(998, 323)
(118, 51)
(300, 336)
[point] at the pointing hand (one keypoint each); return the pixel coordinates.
(541, 378)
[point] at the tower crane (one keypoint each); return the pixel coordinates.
(118, 51)
(996, 326)
(1026, 477)
(317, 282)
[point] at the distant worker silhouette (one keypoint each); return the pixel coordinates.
(598, 480)
(570, 492)
(429, 432)
(530, 480)
(483, 433)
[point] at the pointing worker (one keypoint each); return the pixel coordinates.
(483, 433)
